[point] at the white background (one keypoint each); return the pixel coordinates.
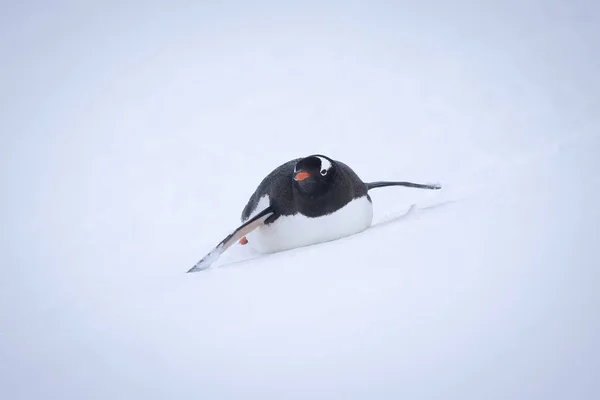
(132, 135)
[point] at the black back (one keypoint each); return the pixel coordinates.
(338, 188)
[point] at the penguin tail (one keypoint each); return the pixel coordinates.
(432, 186)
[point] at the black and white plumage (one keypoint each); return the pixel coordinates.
(302, 202)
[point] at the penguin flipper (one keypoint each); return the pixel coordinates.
(232, 238)
(432, 186)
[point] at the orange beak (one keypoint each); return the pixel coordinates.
(300, 176)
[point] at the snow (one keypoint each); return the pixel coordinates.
(133, 135)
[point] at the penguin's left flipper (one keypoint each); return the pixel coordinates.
(232, 238)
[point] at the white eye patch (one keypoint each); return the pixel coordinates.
(325, 165)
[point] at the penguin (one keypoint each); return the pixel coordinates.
(302, 202)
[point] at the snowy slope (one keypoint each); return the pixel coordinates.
(132, 137)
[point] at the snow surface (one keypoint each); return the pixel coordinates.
(134, 133)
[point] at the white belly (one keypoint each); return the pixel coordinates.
(288, 232)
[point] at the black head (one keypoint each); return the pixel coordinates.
(314, 174)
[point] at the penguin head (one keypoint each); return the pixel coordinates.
(313, 175)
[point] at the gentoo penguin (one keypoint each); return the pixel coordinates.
(302, 202)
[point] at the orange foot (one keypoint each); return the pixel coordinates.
(243, 241)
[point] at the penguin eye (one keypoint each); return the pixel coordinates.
(323, 172)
